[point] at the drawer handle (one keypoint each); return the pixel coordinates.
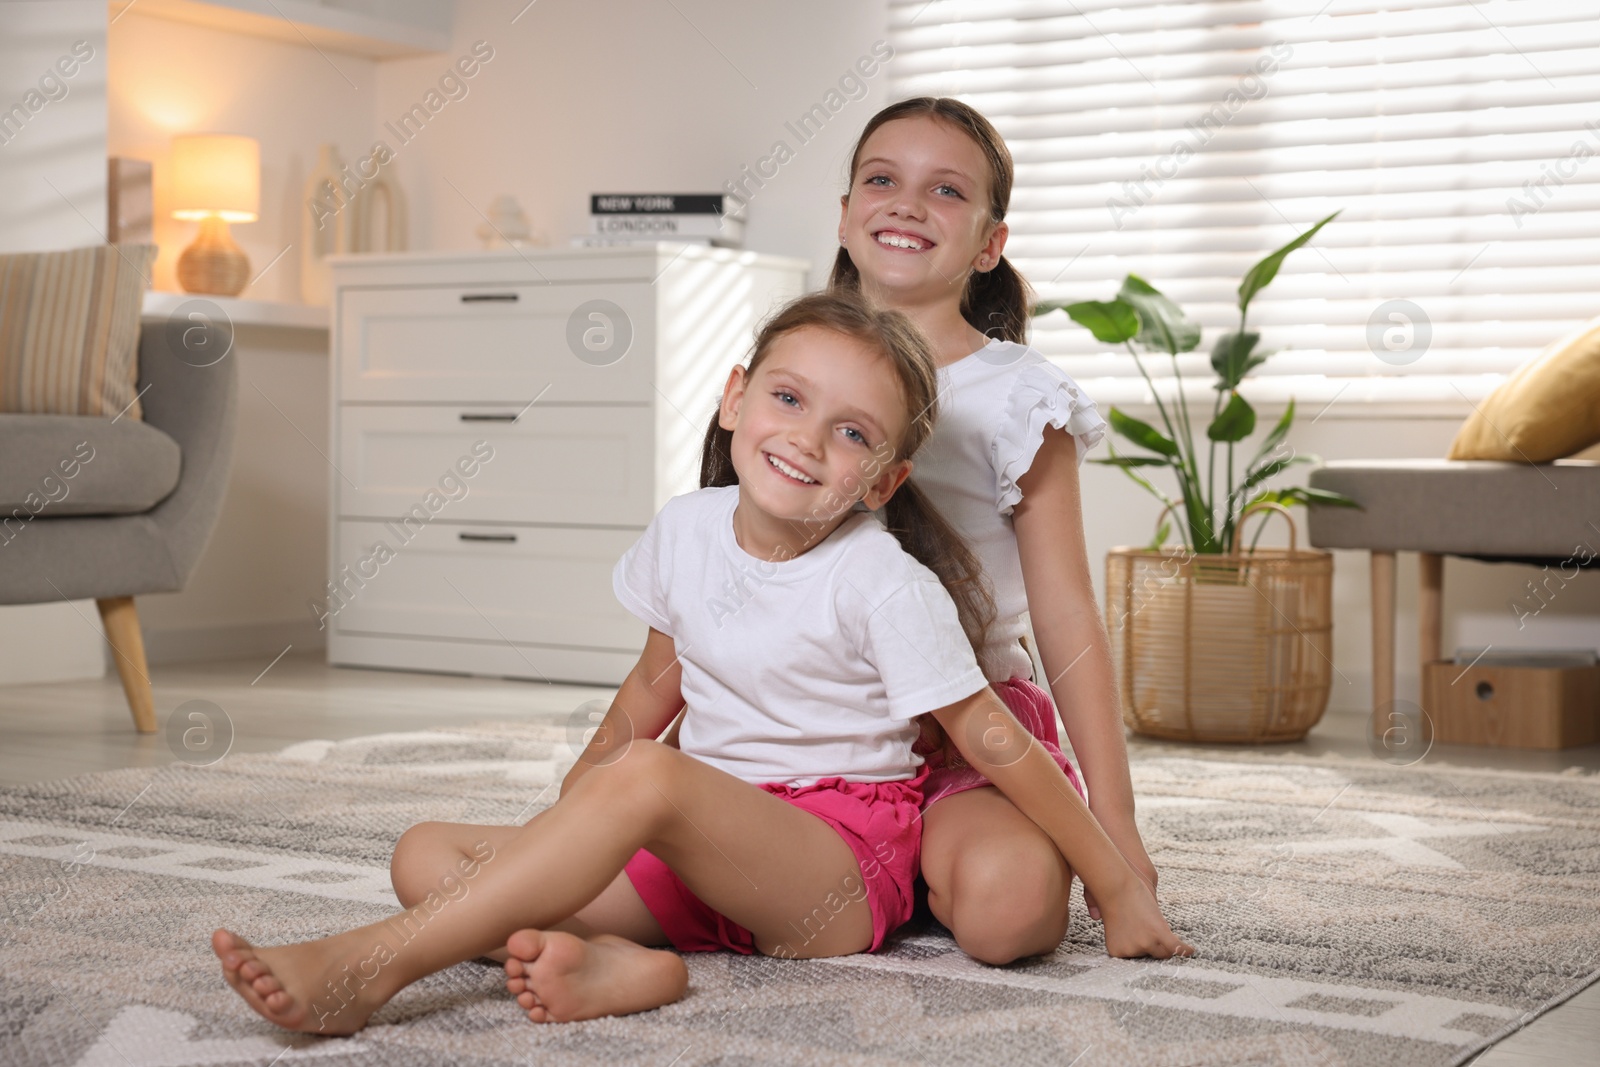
(477, 416)
(488, 298)
(509, 539)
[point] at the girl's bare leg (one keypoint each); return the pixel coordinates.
(777, 870)
(429, 852)
(616, 923)
(979, 849)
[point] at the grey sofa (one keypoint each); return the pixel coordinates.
(111, 510)
(1538, 514)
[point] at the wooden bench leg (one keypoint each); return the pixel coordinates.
(121, 621)
(1430, 607)
(1382, 634)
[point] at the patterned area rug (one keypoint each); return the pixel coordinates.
(1346, 913)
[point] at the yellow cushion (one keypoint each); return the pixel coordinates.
(69, 330)
(1548, 409)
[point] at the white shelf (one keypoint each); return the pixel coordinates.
(529, 259)
(301, 22)
(159, 306)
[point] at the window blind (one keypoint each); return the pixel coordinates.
(1183, 141)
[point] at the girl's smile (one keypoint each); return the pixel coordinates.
(788, 471)
(895, 238)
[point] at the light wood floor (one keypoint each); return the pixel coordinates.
(52, 731)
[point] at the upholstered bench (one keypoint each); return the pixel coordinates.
(1538, 514)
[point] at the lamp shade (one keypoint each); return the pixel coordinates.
(216, 175)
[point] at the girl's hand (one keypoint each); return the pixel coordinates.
(1135, 926)
(1125, 835)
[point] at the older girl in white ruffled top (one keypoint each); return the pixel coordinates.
(922, 230)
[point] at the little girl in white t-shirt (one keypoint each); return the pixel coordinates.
(806, 639)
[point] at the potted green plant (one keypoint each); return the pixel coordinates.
(1212, 643)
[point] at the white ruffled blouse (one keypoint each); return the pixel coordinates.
(994, 406)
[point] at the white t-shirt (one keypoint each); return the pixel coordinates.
(994, 406)
(808, 668)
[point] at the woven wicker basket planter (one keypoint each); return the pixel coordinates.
(1233, 648)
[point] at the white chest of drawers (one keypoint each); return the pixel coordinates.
(504, 426)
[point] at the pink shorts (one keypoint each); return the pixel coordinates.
(880, 821)
(1033, 709)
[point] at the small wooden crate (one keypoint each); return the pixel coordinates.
(1514, 707)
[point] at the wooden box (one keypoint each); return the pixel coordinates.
(1514, 707)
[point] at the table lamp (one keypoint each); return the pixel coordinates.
(216, 178)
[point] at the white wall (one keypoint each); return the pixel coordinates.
(552, 117)
(171, 77)
(52, 195)
(578, 98)
(635, 97)
(52, 168)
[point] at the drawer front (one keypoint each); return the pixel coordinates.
(495, 584)
(575, 465)
(540, 663)
(497, 343)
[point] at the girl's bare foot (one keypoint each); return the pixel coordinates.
(331, 986)
(559, 977)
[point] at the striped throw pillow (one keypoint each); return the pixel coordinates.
(69, 330)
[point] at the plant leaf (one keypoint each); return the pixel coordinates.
(1274, 496)
(1111, 321)
(1290, 495)
(1260, 276)
(1326, 498)
(1233, 356)
(1142, 433)
(1256, 477)
(1142, 481)
(1236, 422)
(1256, 359)
(1160, 538)
(1164, 327)
(1278, 433)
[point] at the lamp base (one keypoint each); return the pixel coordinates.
(213, 263)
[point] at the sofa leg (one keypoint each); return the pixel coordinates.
(1382, 635)
(121, 621)
(1430, 607)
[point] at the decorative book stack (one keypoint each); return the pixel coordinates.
(634, 218)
